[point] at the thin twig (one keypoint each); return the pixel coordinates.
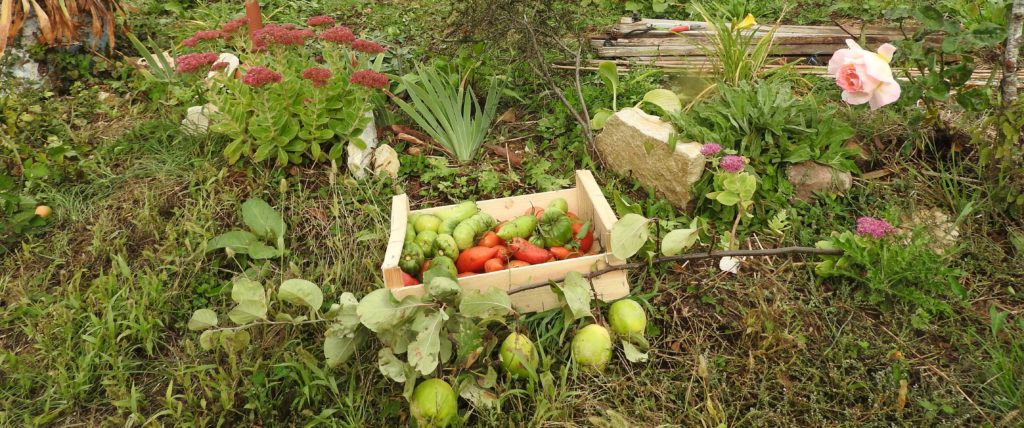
(688, 257)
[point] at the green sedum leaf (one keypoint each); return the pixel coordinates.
(629, 235)
(301, 292)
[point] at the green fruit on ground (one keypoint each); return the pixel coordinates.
(518, 356)
(592, 347)
(434, 403)
(627, 318)
(427, 222)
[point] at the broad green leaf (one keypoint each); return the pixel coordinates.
(493, 303)
(629, 235)
(379, 311)
(209, 339)
(610, 75)
(600, 118)
(425, 351)
(575, 292)
(202, 319)
(263, 219)
(727, 198)
(390, 366)
(480, 398)
(678, 240)
(243, 242)
(632, 353)
(346, 315)
(246, 289)
(234, 340)
(339, 348)
(469, 341)
(248, 311)
(301, 292)
(444, 289)
(664, 99)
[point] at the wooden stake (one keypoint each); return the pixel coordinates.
(1012, 53)
(255, 17)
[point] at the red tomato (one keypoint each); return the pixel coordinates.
(490, 240)
(588, 239)
(473, 259)
(408, 280)
(517, 263)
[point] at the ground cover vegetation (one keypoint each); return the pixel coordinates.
(154, 274)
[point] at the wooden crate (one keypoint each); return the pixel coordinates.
(586, 200)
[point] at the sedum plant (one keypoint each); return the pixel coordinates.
(446, 108)
(303, 95)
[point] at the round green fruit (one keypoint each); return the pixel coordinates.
(627, 318)
(434, 403)
(518, 355)
(427, 222)
(592, 347)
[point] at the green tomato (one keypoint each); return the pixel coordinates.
(426, 239)
(558, 204)
(427, 222)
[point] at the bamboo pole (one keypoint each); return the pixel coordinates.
(1012, 54)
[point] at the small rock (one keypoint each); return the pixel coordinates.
(107, 98)
(414, 151)
(197, 119)
(359, 159)
(943, 230)
(232, 65)
(810, 177)
(385, 161)
(634, 143)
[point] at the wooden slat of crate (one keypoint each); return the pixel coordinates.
(585, 199)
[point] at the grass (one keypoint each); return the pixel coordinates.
(93, 308)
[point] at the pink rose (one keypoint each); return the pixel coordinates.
(865, 76)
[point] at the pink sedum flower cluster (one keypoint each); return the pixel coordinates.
(319, 21)
(873, 227)
(234, 25)
(319, 76)
(367, 46)
(732, 163)
(282, 34)
(202, 36)
(370, 79)
(339, 34)
(864, 76)
(258, 77)
(190, 63)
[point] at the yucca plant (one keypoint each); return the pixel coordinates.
(738, 46)
(60, 21)
(446, 108)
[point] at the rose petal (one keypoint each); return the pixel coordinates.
(886, 94)
(856, 98)
(886, 51)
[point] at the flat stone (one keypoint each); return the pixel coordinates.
(634, 143)
(385, 161)
(810, 177)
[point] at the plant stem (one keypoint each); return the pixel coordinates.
(692, 256)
